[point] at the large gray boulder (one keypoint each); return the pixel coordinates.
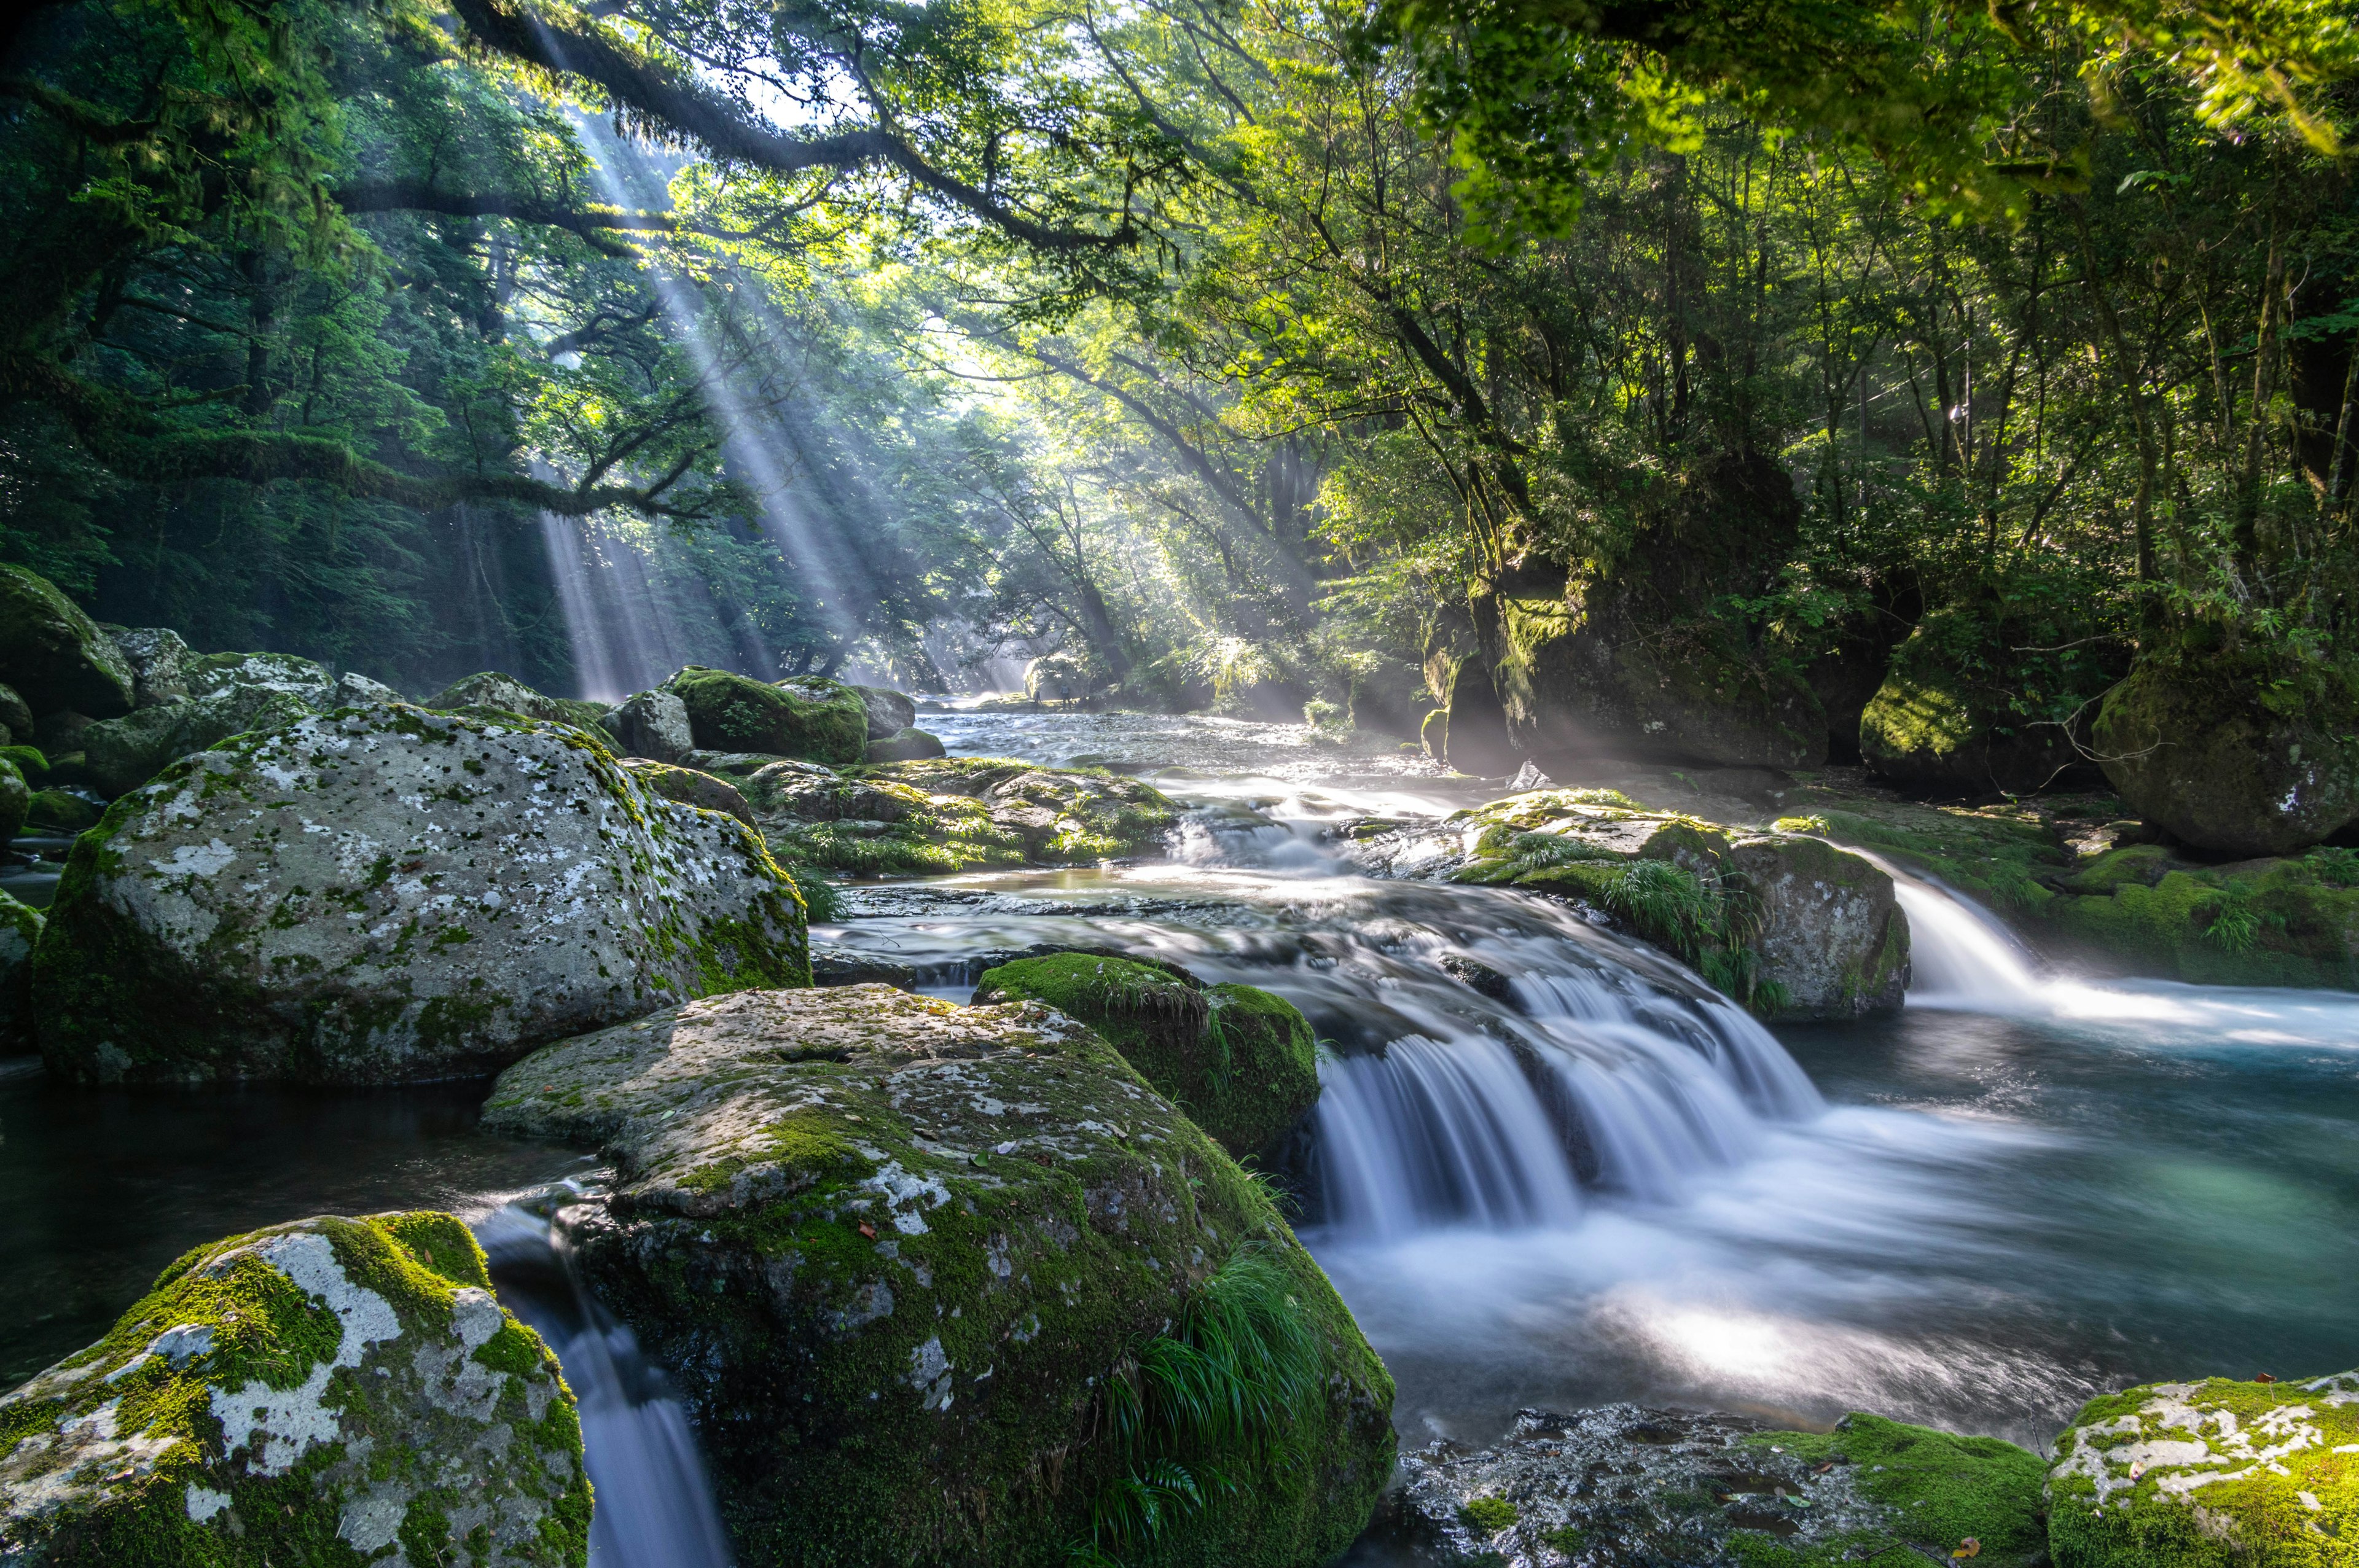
(121, 755)
(895, 1250)
(1832, 935)
(329, 1392)
(56, 655)
(890, 712)
(388, 895)
(161, 663)
(650, 724)
(505, 693)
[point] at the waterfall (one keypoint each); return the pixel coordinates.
(655, 1505)
(1961, 957)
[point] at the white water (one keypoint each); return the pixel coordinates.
(654, 1506)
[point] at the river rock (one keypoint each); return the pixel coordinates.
(15, 800)
(160, 661)
(20, 928)
(1243, 1064)
(1059, 677)
(1834, 937)
(1629, 1487)
(15, 716)
(121, 755)
(333, 1391)
(391, 894)
(895, 1250)
(54, 654)
(816, 720)
(905, 746)
(690, 787)
(2230, 763)
(890, 712)
(650, 724)
(2198, 1474)
(1968, 709)
(506, 693)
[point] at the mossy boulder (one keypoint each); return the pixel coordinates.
(890, 712)
(1724, 1490)
(329, 1392)
(160, 660)
(1243, 1064)
(121, 755)
(390, 894)
(2230, 761)
(1831, 935)
(1962, 714)
(319, 688)
(2144, 909)
(690, 787)
(20, 929)
(905, 746)
(15, 800)
(953, 814)
(16, 716)
(818, 720)
(912, 1263)
(2209, 1475)
(2001, 856)
(60, 811)
(54, 654)
(506, 693)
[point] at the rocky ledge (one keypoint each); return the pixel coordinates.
(935, 1280)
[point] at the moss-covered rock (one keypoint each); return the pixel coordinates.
(1831, 932)
(121, 755)
(890, 712)
(650, 724)
(690, 787)
(914, 1264)
(2146, 910)
(814, 719)
(506, 693)
(60, 811)
(1721, 1490)
(2209, 1475)
(20, 929)
(390, 894)
(2230, 761)
(330, 1391)
(161, 662)
(16, 715)
(54, 654)
(15, 800)
(2000, 856)
(905, 746)
(1243, 1064)
(1960, 715)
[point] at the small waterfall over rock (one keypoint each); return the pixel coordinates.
(654, 1505)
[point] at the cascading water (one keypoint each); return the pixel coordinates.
(654, 1505)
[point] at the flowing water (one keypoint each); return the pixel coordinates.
(1593, 1180)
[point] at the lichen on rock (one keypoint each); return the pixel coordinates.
(333, 1390)
(900, 1254)
(1243, 1064)
(506, 693)
(391, 894)
(2211, 1474)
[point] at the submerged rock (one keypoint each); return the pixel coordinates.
(1626, 1487)
(650, 724)
(909, 1260)
(333, 1391)
(2195, 1475)
(388, 895)
(2229, 762)
(1243, 1064)
(54, 654)
(818, 720)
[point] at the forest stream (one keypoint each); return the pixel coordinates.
(1607, 1183)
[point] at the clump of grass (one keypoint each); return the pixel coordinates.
(1487, 1516)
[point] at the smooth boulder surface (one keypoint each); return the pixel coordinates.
(1628, 1486)
(389, 895)
(689, 787)
(890, 712)
(816, 720)
(909, 745)
(650, 724)
(1243, 1064)
(2229, 763)
(56, 655)
(160, 660)
(20, 930)
(895, 1250)
(1833, 936)
(2209, 1475)
(506, 693)
(330, 1391)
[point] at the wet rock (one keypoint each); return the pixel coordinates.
(895, 1250)
(1832, 935)
(952, 814)
(890, 712)
(20, 928)
(1478, 977)
(390, 895)
(1629, 1487)
(2229, 763)
(818, 720)
(121, 755)
(651, 724)
(506, 693)
(160, 661)
(54, 654)
(2191, 1475)
(1243, 1064)
(343, 1391)
(833, 966)
(690, 787)
(15, 716)
(61, 810)
(905, 746)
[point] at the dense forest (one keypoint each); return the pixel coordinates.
(1762, 385)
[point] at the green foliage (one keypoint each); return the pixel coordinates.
(1489, 1515)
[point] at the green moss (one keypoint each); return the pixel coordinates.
(1243, 1064)
(816, 720)
(1997, 856)
(1489, 1515)
(2287, 922)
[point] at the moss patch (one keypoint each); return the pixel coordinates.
(1943, 1490)
(818, 720)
